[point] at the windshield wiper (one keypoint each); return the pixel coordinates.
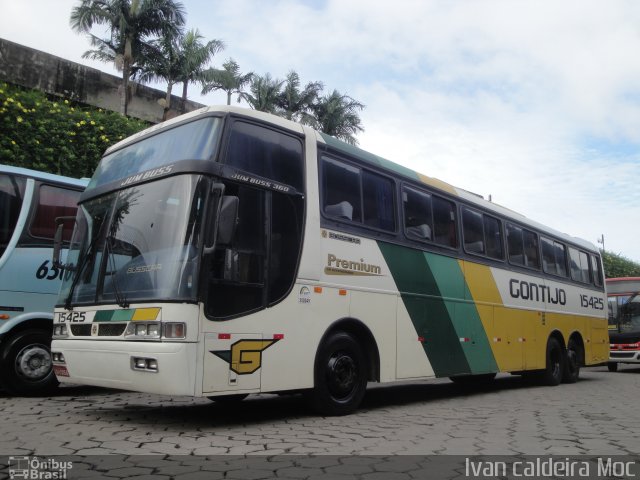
(79, 270)
(121, 298)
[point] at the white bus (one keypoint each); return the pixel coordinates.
(29, 283)
(229, 252)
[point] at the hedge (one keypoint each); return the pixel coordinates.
(56, 135)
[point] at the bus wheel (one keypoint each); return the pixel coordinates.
(612, 366)
(340, 376)
(26, 364)
(572, 362)
(552, 374)
(229, 399)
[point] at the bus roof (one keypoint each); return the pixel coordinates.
(43, 176)
(362, 155)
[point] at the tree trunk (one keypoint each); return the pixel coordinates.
(167, 100)
(229, 97)
(125, 88)
(183, 106)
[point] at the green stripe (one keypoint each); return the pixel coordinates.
(114, 315)
(466, 319)
(429, 312)
(437, 299)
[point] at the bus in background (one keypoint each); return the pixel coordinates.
(30, 201)
(624, 321)
(229, 252)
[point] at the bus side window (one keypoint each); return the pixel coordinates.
(341, 190)
(379, 205)
(472, 231)
(266, 152)
(418, 219)
(444, 222)
(523, 247)
(53, 202)
(554, 257)
(493, 237)
(579, 265)
(597, 270)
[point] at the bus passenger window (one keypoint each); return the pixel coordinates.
(379, 205)
(554, 257)
(579, 266)
(493, 237)
(53, 202)
(523, 247)
(418, 221)
(472, 231)
(444, 222)
(597, 271)
(341, 189)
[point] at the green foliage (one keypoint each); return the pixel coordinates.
(56, 135)
(618, 266)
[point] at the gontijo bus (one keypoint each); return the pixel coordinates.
(229, 252)
(30, 201)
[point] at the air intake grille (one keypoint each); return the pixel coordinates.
(104, 330)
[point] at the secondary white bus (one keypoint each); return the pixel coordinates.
(30, 201)
(228, 252)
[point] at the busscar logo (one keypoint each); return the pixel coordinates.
(245, 356)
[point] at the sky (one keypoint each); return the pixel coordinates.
(534, 103)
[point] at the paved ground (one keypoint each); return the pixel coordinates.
(599, 415)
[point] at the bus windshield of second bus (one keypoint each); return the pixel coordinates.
(624, 321)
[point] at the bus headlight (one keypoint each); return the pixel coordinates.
(175, 330)
(143, 330)
(60, 330)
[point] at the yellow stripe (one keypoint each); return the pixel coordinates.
(146, 314)
(434, 182)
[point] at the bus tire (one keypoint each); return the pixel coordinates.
(612, 366)
(26, 367)
(553, 372)
(571, 371)
(340, 376)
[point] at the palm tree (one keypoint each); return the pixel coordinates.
(337, 115)
(264, 93)
(228, 79)
(131, 25)
(179, 59)
(295, 104)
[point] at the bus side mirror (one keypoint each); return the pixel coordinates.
(227, 220)
(225, 223)
(57, 239)
(57, 244)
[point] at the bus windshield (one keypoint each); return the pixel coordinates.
(137, 244)
(624, 313)
(11, 193)
(192, 141)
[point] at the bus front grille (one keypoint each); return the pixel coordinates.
(104, 330)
